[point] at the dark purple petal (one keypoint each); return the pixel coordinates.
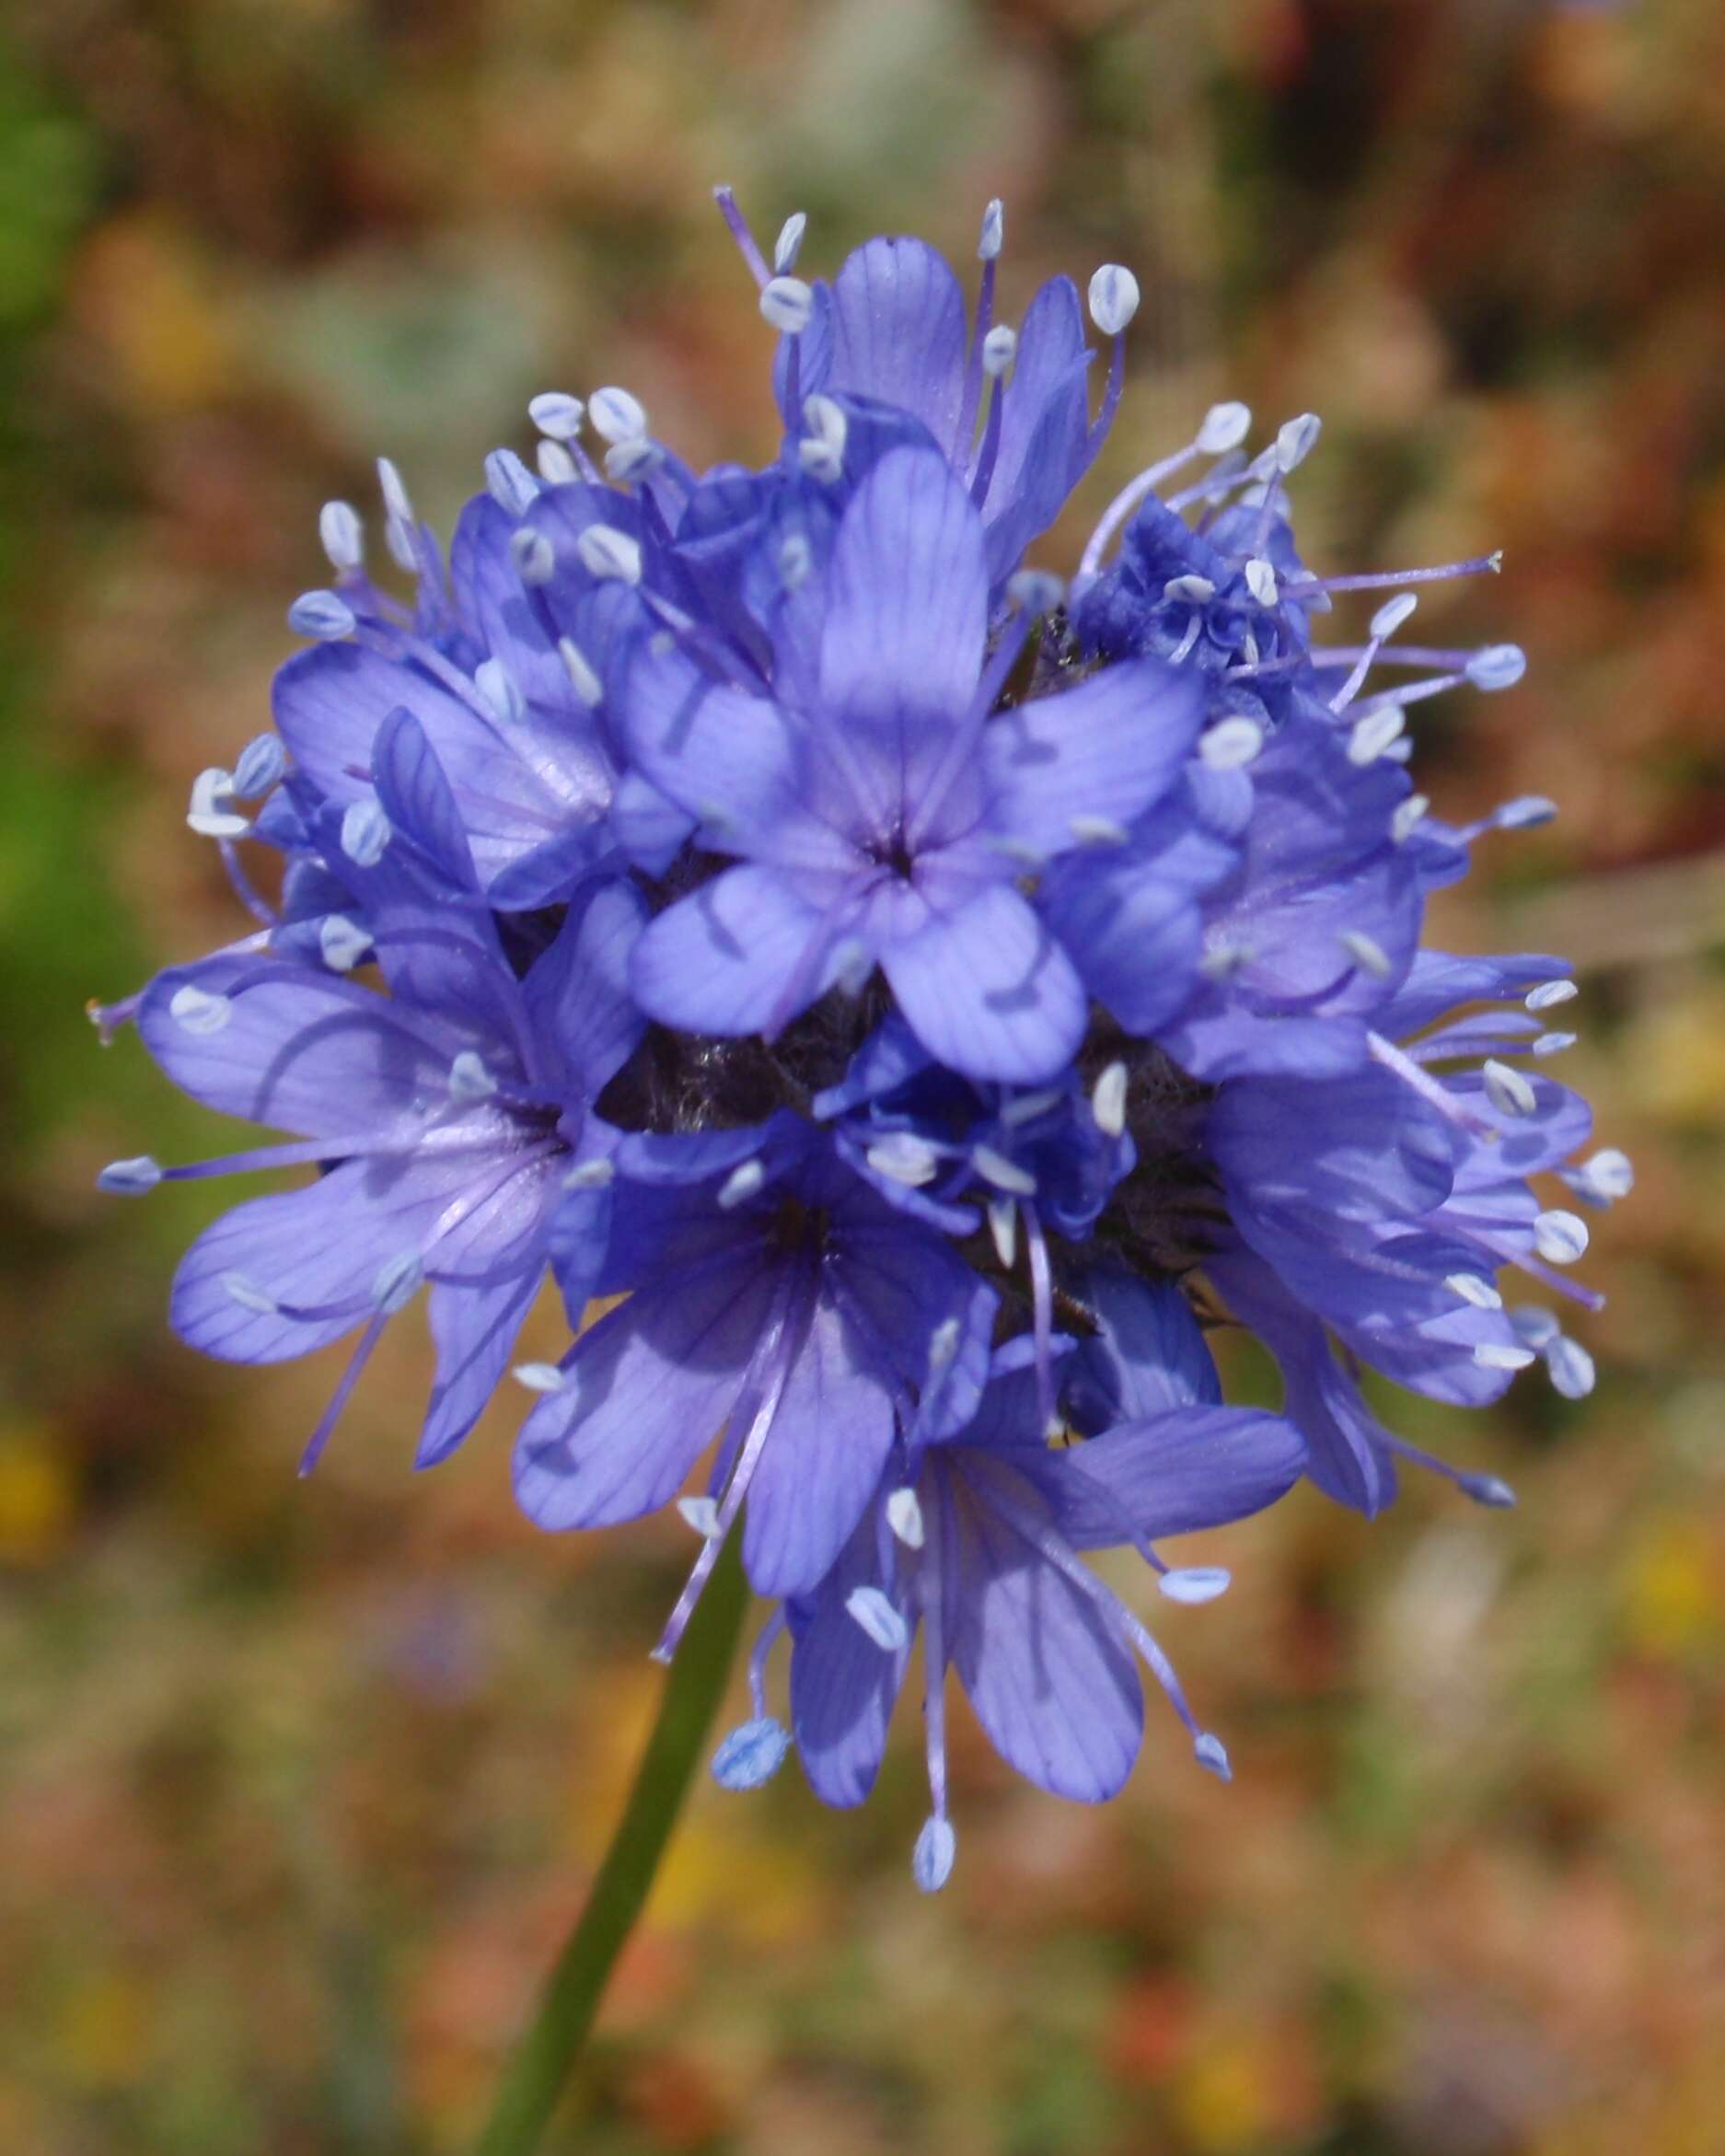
(988, 991)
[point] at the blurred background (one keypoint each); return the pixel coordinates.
(301, 1783)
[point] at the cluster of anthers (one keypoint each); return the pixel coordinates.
(927, 992)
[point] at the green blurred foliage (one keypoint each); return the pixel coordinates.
(300, 1784)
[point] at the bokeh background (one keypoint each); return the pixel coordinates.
(300, 1784)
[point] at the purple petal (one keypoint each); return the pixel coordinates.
(1170, 1474)
(583, 1016)
(989, 993)
(719, 960)
(474, 1328)
(645, 1392)
(898, 333)
(843, 1684)
(1048, 1675)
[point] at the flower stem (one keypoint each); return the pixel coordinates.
(537, 2074)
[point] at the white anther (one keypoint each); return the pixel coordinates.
(1499, 665)
(1392, 614)
(1112, 299)
(1194, 1583)
(469, 1081)
(590, 1174)
(943, 1345)
(797, 561)
(1370, 737)
(1035, 591)
(364, 831)
(509, 482)
(1548, 994)
(498, 686)
(259, 766)
(1107, 1101)
(1534, 1327)
(1230, 743)
(1507, 1088)
(1225, 427)
(344, 943)
(557, 467)
(1260, 581)
(1560, 1238)
(742, 1183)
(904, 1159)
(1474, 1288)
(789, 244)
(211, 812)
(871, 1609)
(904, 1516)
(557, 414)
(1366, 952)
(400, 524)
(992, 236)
(1525, 813)
(1553, 1044)
(1295, 440)
(1024, 1108)
(931, 1859)
(1409, 816)
(1097, 830)
(130, 1179)
(1222, 961)
(999, 348)
(627, 461)
(1605, 1178)
(1188, 590)
(607, 552)
(343, 536)
(851, 964)
(1003, 1230)
(1569, 1367)
(534, 557)
(1501, 1355)
(323, 614)
(538, 1377)
(616, 415)
(583, 678)
(238, 1288)
(1005, 1175)
(396, 1282)
(786, 304)
(196, 1011)
(702, 1514)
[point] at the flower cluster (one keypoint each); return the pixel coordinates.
(918, 987)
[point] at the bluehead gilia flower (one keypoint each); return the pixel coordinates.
(914, 984)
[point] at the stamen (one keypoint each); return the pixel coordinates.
(534, 557)
(364, 831)
(130, 1179)
(1428, 1089)
(821, 452)
(1295, 441)
(1005, 1175)
(344, 943)
(1035, 591)
(1475, 1288)
(1554, 1044)
(701, 1514)
(1114, 298)
(1409, 816)
(1225, 427)
(878, 1618)
(616, 415)
(1194, 1583)
(344, 1392)
(1569, 1367)
(538, 1377)
(557, 467)
(469, 1081)
(195, 1011)
(904, 1158)
(210, 812)
(1042, 1317)
(1499, 665)
(342, 537)
(992, 236)
(931, 1859)
(1003, 1230)
(1097, 830)
(1507, 1088)
(1372, 734)
(606, 552)
(1548, 994)
(904, 1516)
(582, 675)
(509, 482)
(259, 768)
(1499, 1355)
(1601, 1179)
(1366, 952)
(741, 1184)
(789, 244)
(751, 1755)
(931, 1862)
(1560, 1238)
(321, 614)
(400, 526)
(1380, 579)
(1391, 615)
(557, 414)
(1260, 581)
(590, 1174)
(1107, 1101)
(786, 304)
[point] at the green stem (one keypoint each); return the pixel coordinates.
(545, 2058)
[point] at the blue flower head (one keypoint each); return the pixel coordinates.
(911, 985)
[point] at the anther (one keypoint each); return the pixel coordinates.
(590, 1174)
(130, 1179)
(342, 942)
(789, 244)
(557, 414)
(397, 1281)
(195, 1011)
(1474, 1288)
(557, 467)
(903, 1158)
(509, 482)
(1112, 299)
(931, 1859)
(632, 460)
(1499, 665)
(1373, 732)
(1501, 1355)
(1603, 1179)
(538, 1377)
(1005, 1175)
(999, 348)
(238, 1288)
(211, 812)
(701, 1514)
(1295, 441)
(607, 552)
(1569, 1367)
(498, 686)
(1560, 1238)
(751, 1755)
(1507, 1088)
(1225, 427)
(992, 236)
(1409, 816)
(583, 678)
(1392, 614)
(342, 537)
(741, 1184)
(1194, 1583)
(1035, 591)
(786, 304)
(1366, 952)
(1003, 1230)
(877, 1617)
(1212, 1754)
(1548, 994)
(1107, 1101)
(469, 1081)
(904, 1516)
(259, 766)
(364, 831)
(534, 557)
(1230, 743)
(1260, 581)
(616, 415)
(322, 614)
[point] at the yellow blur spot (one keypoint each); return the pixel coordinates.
(103, 2038)
(1222, 2098)
(37, 1499)
(1674, 1592)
